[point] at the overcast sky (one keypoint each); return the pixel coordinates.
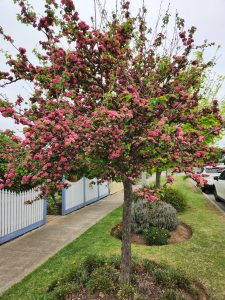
(206, 15)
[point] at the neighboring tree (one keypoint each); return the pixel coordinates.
(4, 142)
(113, 101)
(10, 150)
(158, 178)
(208, 87)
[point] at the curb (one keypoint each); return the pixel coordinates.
(207, 197)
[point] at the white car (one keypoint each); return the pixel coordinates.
(219, 191)
(208, 173)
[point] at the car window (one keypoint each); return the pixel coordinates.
(214, 170)
(222, 175)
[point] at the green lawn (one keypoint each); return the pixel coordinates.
(202, 257)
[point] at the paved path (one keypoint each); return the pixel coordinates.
(24, 254)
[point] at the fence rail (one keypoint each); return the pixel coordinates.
(16, 216)
(82, 193)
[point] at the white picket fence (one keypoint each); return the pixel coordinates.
(16, 216)
(82, 193)
(103, 189)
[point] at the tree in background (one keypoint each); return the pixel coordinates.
(117, 100)
(9, 146)
(208, 87)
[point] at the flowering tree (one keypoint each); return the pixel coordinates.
(210, 86)
(9, 143)
(111, 100)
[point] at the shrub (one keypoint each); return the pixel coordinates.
(182, 281)
(146, 214)
(77, 276)
(140, 215)
(163, 215)
(92, 262)
(80, 276)
(164, 277)
(172, 295)
(126, 291)
(114, 261)
(171, 278)
(156, 236)
(174, 197)
(149, 265)
(61, 292)
(103, 279)
(118, 232)
(185, 283)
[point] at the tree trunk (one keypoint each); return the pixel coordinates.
(126, 235)
(52, 193)
(158, 179)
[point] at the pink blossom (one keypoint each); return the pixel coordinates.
(152, 198)
(56, 80)
(201, 138)
(170, 179)
(83, 26)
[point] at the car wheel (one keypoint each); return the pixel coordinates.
(216, 196)
(204, 189)
(207, 191)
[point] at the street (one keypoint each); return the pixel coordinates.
(211, 198)
(219, 205)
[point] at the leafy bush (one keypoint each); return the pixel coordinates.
(149, 265)
(140, 215)
(126, 291)
(172, 295)
(103, 279)
(114, 261)
(182, 281)
(61, 292)
(118, 232)
(146, 214)
(80, 276)
(185, 283)
(92, 262)
(171, 278)
(174, 197)
(164, 277)
(77, 276)
(156, 236)
(163, 215)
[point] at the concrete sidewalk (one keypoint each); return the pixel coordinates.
(24, 254)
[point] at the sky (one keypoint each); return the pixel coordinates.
(206, 15)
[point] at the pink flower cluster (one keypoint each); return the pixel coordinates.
(146, 193)
(169, 179)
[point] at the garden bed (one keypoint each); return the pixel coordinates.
(182, 233)
(97, 278)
